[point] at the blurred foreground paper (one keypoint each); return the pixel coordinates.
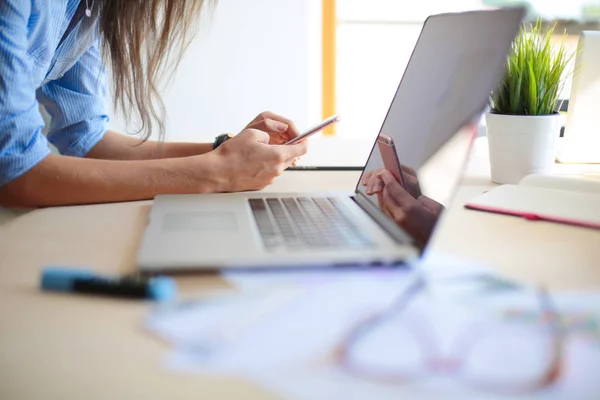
(283, 336)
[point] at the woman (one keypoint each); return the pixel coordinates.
(52, 52)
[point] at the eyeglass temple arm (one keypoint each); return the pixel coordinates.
(553, 319)
(362, 328)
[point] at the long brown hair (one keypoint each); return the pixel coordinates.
(141, 40)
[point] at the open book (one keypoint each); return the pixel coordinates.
(563, 199)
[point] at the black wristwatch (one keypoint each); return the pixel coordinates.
(219, 140)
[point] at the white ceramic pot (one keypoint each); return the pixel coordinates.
(520, 145)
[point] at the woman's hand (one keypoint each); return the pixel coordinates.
(417, 216)
(374, 185)
(412, 183)
(372, 181)
(249, 162)
(280, 129)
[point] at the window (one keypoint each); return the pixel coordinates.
(374, 41)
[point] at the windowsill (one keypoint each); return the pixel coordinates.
(572, 28)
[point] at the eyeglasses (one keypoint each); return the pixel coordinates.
(493, 356)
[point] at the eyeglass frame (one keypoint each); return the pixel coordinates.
(360, 330)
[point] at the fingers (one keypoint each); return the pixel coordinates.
(292, 130)
(380, 201)
(391, 207)
(412, 184)
(270, 126)
(275, 124)
(366, 177)
(431, 205)
(280, 153)
(268, 161)
(374, 182)
(257, 163)
(378, 186)
(369, 188)
(411, 180)
(408, 171)
(395, 189)
(293, 151)
(254, 134)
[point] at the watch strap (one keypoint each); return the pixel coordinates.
(219, 140)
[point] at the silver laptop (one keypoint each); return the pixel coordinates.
(457, 61)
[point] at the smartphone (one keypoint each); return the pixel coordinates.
(387, 149)
(317, 128)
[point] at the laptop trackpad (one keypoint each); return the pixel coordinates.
(199, 221)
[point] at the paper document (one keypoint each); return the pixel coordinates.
(449, 339)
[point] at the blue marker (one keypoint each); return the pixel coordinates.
(86, 281)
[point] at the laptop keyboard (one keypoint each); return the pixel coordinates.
(306, 222)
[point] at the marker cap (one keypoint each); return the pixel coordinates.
(62, 279)
(162, 288)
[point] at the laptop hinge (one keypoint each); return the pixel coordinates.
(385, 222)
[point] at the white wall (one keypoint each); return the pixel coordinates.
(252, 56)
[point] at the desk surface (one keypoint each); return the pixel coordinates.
(63, 346)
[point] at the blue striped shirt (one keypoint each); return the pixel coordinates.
(67, 79)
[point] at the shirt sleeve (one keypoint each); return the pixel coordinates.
(76, 102)
(22, 144)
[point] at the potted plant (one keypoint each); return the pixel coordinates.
(523, 123)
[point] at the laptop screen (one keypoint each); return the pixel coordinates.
(417, 160)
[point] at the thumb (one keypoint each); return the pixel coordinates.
(292, 151)
(394, 188)
(387, 177)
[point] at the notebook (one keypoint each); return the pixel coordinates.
(573, 200)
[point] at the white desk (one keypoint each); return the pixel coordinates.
(561, 256)
(65, 346)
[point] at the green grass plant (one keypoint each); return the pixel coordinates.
(535, 74)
